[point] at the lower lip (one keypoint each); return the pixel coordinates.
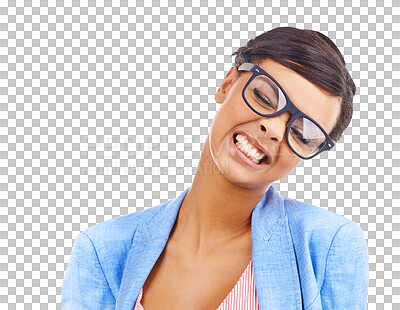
(243, 157)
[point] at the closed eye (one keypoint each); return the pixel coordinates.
(299, 135)
(262, 97)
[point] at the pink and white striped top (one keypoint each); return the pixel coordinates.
(242, 296)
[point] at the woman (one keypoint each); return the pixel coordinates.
(230, 241)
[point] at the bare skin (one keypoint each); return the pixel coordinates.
(210, 244)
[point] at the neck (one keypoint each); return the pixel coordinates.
(214, 210)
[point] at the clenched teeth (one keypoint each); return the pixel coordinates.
(252, 152)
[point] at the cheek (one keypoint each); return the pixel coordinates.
(232, 113)
(235, 106)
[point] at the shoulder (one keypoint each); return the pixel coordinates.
(326, 243)
(314, 230)
(112, 239)
(101, 251)
(109, 243)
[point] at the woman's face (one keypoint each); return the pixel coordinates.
(234, 115)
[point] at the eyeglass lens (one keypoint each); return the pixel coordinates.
(265, 96)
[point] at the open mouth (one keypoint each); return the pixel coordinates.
(250, 151)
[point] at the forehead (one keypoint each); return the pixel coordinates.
(307, 97)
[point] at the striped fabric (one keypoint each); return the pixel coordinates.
(242, 297)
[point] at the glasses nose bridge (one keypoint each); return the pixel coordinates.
(291, 111)
(290, 107)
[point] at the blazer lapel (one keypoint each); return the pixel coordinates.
(147, 245)
(274, 261)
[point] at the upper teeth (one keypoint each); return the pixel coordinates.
(251, 151)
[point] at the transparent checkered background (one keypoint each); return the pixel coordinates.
(105, 107)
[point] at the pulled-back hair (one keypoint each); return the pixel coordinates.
(312, 55)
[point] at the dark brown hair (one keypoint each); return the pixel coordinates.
(311, 54)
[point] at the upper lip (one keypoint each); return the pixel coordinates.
(255, 143)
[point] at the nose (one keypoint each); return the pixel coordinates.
(274, 128)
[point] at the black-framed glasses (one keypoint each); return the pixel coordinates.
(263, 95)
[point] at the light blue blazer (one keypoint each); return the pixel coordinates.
(304, 257)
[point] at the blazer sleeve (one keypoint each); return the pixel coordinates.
(346, 278)
(85, 285)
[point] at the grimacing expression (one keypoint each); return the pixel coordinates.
(234, 115)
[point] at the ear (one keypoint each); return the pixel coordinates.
(226, 85)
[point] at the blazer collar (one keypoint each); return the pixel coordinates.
(274, 261)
